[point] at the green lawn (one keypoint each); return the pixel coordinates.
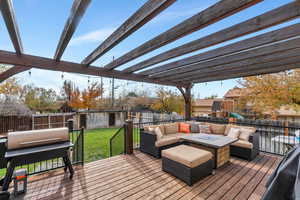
(96, 144)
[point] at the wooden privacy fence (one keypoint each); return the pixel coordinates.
(37, 121)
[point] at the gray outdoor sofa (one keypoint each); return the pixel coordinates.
(151, 144)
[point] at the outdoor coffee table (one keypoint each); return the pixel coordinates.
(218, 145)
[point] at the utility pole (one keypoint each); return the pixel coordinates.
(101, 79)
(113, 90)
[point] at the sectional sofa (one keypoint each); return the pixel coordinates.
(153, 141)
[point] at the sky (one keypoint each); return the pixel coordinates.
(41, 23)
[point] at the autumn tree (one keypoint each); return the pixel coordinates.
(168, 101)
(268, 93)
(10, 89)
(40, 99)
(85, 99)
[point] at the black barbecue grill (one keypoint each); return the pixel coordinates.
(27, 147)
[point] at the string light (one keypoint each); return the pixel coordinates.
(29, 72)
(62, 76)
(88, 79)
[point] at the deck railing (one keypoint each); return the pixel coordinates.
(117, 143)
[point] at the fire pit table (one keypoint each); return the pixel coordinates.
(218, 145)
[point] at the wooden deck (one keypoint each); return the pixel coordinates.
(139, 176)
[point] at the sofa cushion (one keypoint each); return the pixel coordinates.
(171, 128)
(168, 139)
(218, 129)
(243, 144)
(204, 129)
(234, 133)
(187, 155)
(194, 128)
(184, 128)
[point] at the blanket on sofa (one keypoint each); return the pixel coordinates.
(284, 183)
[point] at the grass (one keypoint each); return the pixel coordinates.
(96, 145)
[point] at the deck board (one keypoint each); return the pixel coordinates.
(139, 176)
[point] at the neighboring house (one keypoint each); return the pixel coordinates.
(288, 114)
(234, 94)
(206, 107)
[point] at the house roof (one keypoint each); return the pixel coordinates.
(14, 109)
(234, 92)
(206, 102)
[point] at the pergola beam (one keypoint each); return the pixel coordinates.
(249, 65)
(147, 12)
(77, 11)
(7, 57)
(210, 15)
(12, 71)
(232, 58)
(8, 14)
(271, 18)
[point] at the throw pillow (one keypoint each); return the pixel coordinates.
(184, 128)
(195, 128)
(217, 129)
(234, 133)
(158, 133)
(245, 133)
(171, 128)
(204, 129)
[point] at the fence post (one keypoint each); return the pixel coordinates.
(128, 137)
(70, 125)
(286, 128)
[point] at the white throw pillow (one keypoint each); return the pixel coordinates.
(234, 133)
(245, 134)
(158, 133)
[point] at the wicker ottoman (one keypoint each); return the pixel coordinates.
(187, 163)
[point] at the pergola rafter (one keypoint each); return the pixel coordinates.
(270, 52)
(147, 12)
(77, 11)
(271, 18)
(8, 14)
(262, 63)
(243, 73)
(210, 15)
(12, 71)
(229, 59)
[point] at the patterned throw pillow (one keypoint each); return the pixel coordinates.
(204, 129)
(171, 128)
(195, 128)
(234, 133)
(184, 128)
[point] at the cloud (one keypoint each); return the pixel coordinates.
(172, 15)
(93, 36)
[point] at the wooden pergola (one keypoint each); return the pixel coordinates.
(270, 52)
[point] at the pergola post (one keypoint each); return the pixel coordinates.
(187, 96)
